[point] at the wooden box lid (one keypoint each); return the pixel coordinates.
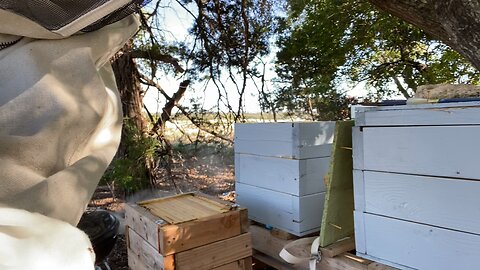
(182, 222)
(185, 207)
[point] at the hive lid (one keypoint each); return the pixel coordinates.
(185, 207)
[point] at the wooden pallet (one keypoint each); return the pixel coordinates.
(334, 257)
(188, 231)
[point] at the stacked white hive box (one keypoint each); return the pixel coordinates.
(417, 185)
(279, 170)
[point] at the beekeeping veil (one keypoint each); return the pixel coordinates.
(60, 113)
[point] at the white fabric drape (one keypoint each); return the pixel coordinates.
(60, 125)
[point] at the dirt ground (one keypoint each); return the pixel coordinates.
(211, 174)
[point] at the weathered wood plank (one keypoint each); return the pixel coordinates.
(215, 254)
(291, 176)
(184, 208)
(244, 264)
(279, 265)
(420, 246)
(436, 151)
(135, 263)
(337, 219)
(181, 237)
(296, 215)
(267, 247)
(421, 115)
(264, 242)
(146, 255)
(424, 200)
(244, 221)
(143, 223)
(344, 262)
(338, 248)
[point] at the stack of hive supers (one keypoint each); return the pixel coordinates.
(187, 231)
(417, 185)
(279, 170)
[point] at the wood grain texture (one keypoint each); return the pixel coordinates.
(143, 223)
(424, 200)
(338, 248)
(291, 176)
(344, 262)
(264, 242)
(296, 215)
(188, 235)
(215, 254)
(277, 264)
(337, 218)
(143, 254)
(424, 115)
(436, 151)
(185, 207)
(267, 247)
(135, 263)
(420, 246)
(244, 264)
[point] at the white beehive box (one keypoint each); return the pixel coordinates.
(279, 170)
(417, 185)
(294, 140)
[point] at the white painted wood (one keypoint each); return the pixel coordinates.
(425, 200)
(296, 215)
(357, 148)
(292, 176)
(358, 191)
(297, 140)
(465, 113)
(359, 224)
(420, 246)
(266, 131)
(438, 150)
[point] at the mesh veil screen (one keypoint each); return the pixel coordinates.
(54, 14)
(119, 14)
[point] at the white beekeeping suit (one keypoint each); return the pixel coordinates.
(60, 123)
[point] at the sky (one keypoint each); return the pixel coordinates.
(175, 28)
(176, 23)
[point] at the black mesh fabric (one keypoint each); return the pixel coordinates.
(51, 14)
(119, 14)
(55, 14)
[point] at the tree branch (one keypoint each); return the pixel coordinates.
(158, 56)
(455, 22)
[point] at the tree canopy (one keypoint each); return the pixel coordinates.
(329, 46)
(324, 48)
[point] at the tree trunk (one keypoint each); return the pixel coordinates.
(455, 22)
(136, 126)
(128, 83)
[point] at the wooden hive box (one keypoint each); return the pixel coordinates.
(417, 185)
(279, 170)
(187, 231)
